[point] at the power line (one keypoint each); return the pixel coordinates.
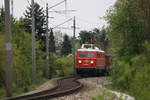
(85, 21)
(57, 4)
(62, 23)
(62, 11)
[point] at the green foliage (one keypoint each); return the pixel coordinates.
(22, 65)
(134, 76)
(2, 14)
(128, 23)
(22, 53)
(66, 46)
(122, 74)
(64, 66)
(140, 84)
(86, 37)
(40, 23)
(21, 56)
(2, 62)
(96, 36)
(101, 39)
(2, 93)
(53, 67)
(52, 48)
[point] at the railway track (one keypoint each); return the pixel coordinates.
(65, 86)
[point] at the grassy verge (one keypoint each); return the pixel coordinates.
(18, 91)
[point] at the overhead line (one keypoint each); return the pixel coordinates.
(85, 21)
(57, 4)
(62, 23)
(61, 11)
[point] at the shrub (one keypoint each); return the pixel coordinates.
(140, 84)
(122, 74)
(133, 76)
(65, 66)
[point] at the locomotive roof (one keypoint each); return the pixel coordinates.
(84, 49)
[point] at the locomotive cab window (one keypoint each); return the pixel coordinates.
(90, 55)
(82, 55)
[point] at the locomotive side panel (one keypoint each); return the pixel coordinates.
(101, 61)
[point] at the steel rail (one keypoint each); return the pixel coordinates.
(64, 87)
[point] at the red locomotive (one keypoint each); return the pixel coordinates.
(91, 59)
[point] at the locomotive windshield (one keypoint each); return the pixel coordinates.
(82, 55)
(89, 55)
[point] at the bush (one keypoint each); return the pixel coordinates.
(140, 84)
(2, 62)
(122, 74)
(65, 66)
(133, 76)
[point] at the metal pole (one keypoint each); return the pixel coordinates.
(12, 8)
(8, 47)
(74, 31)
(47, 44)
(33, 46)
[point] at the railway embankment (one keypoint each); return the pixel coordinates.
(93, 89)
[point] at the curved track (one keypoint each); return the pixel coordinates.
(65, 86)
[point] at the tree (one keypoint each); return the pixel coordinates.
(125, 28)
(100, 38)
(129, 44)
(96, 36)
(2, 17)
(40, 23)
(66, 46)
(86, 37)
(52, 42)
(2, 14)
(2, 62)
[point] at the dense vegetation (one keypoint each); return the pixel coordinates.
(22, 53)
(97, 37)
(129, 44)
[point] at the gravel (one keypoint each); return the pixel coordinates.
(92, 87)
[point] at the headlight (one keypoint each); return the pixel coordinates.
(92, 62)
(79, 61)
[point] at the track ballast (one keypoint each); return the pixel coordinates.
(65, 86)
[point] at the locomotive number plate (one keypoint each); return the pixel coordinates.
(86, 61)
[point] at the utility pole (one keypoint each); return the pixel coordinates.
(47, 44)
(12, 8)
(8, 48)
(74, 31)
(33, 46)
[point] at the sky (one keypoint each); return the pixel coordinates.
(88, 13)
